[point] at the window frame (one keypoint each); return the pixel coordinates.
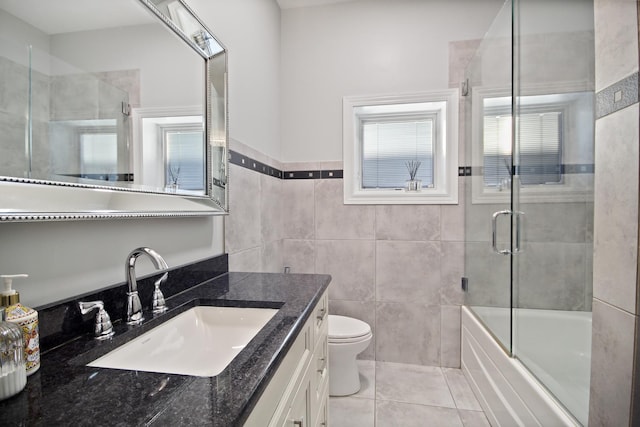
(445, 174)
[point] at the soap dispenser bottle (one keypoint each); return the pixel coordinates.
(13, 373)
(26, 318)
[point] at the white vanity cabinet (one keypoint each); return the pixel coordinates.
(298, 393)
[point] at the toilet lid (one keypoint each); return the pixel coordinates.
(342, 327)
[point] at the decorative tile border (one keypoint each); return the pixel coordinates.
(249, 163)
(255, 165)
(565, 169)
(617, 96)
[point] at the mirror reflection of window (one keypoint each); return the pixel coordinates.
(540, 147)
(184, 158)
(99, 154)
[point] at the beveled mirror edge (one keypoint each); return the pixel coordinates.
(12, 188)
(103, 203)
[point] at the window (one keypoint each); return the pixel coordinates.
(99, 152)
(184, 157)
(383, 134)
(388, 144)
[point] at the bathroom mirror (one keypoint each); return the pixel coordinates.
(110, 109)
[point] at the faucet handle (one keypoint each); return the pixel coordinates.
(103, 327)
(159, 305)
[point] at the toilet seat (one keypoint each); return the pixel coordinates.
(343, 330)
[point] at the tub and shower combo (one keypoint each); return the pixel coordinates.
(528, 108)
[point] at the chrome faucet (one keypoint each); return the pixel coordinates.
(134, 307)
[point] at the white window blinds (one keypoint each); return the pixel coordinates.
(540, 148)
(388, 145)
(185, 159)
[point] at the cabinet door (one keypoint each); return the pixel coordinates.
(299, 414)
(323, 416)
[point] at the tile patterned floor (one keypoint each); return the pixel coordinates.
(395, 394)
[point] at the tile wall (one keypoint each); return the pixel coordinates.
(396, 267)
(615, 393)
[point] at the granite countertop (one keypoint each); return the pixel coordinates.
(66, 392)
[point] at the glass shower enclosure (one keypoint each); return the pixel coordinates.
(529, 132)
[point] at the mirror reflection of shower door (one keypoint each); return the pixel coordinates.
(488, 190)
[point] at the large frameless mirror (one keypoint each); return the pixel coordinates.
(110, 109)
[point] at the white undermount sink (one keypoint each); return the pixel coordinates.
(202, 341)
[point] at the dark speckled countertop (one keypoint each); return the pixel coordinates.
(66, 392)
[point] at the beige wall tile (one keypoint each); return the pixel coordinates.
(271, 218)
(298, 209)
(351, 264)
(452, 217)
(452, 270)
(408, 222)
(242, 225)
(246, 260)
(271, 257)
(299, 255)
(616, 40)
(335, 220)
(408, 333)
(450, 336)
(408, 272)
(615, 260)
(611, 366)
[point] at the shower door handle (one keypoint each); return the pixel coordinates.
(494, 231)
(518, 231)
(519, 216)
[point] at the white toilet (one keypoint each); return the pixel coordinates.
(348, 337)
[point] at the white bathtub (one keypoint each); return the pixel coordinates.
(554, 345)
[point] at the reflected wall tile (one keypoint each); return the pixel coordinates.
(408, 333)
(246, 260)
(351, 264)
(615, 258)
(363, 310)
(408, 271)
(335, 220)
(450, 331)
(298, 209)
(74, 97)
(271, 218)
(452, 265)
(407, 222)
(14, 87)
(242, 225)
(299, 255)
(611, 365)
(616, 40)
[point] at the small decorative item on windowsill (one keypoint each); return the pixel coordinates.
(413, 184)
(174, 174)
